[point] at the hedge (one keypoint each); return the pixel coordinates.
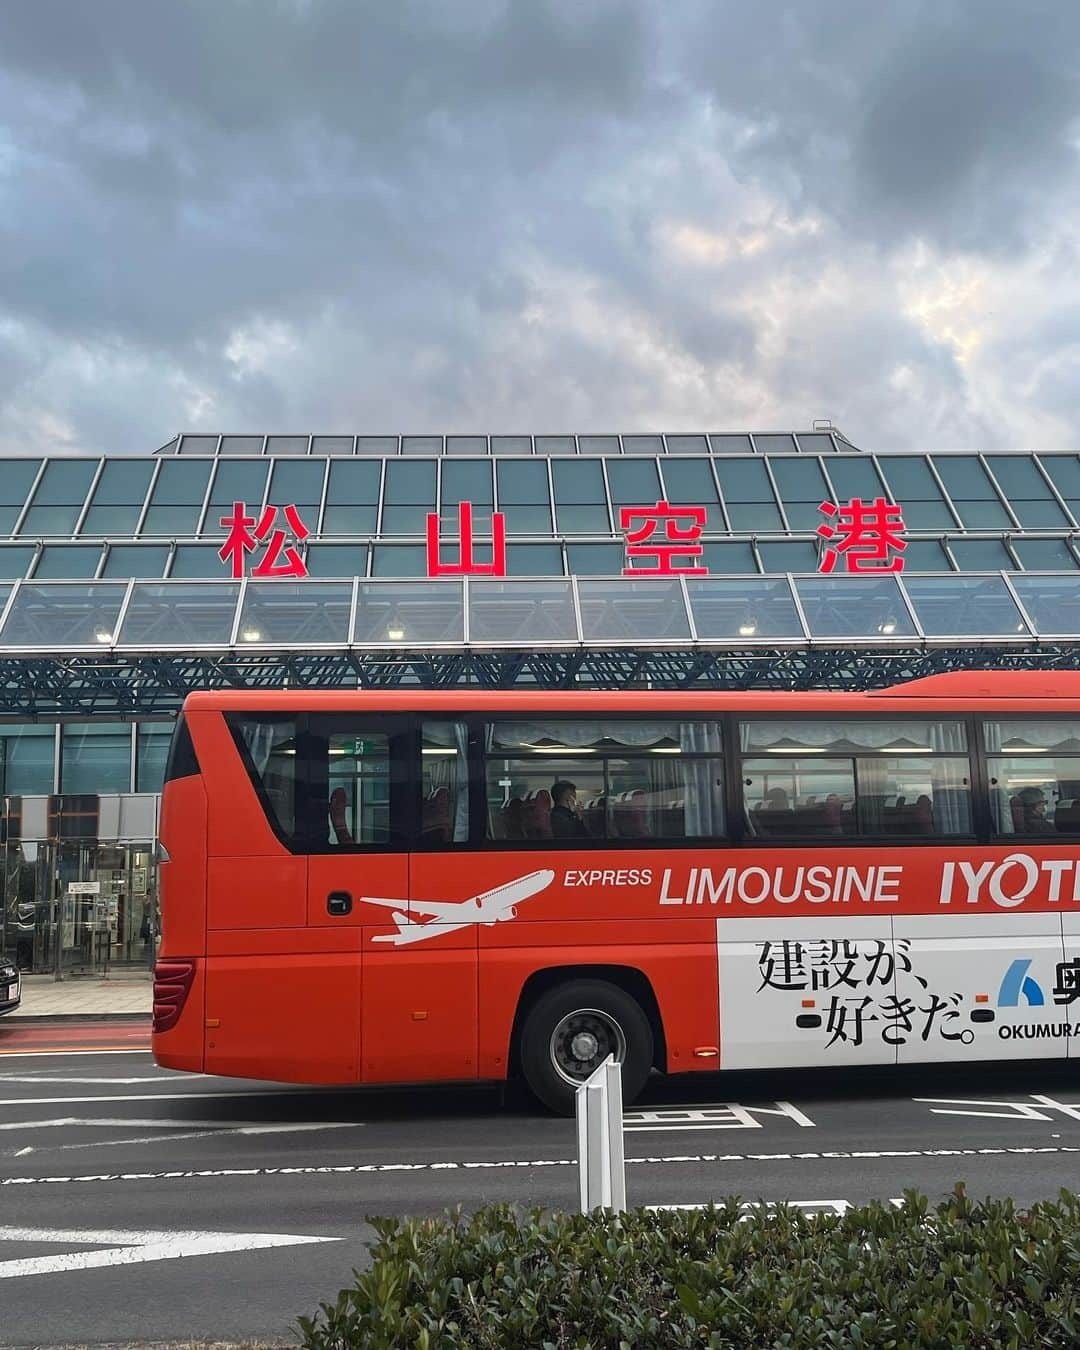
(961, 1274)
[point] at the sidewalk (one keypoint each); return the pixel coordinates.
(125, 995)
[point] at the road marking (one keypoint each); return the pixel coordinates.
(692, 1159)
(68, 1054)
(120, 1082)
(750, 1208)
(729, 1116)
(253, 1093)
(127, 1248)
(188, 1129)
(964, 1106)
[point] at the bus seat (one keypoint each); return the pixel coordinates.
(435, 816)
(1067, 816)
(594, 815)
(339, 805)
(1016, 811)
(631, 815)
(536, 815)
(511, 818)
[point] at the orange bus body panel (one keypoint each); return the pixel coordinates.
(285, 989)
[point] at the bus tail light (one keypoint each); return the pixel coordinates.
(172, 984)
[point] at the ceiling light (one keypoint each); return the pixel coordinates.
(438, 750)
(251, 635)
(889, 626)
(562, 750)
(395, 634)
(747, 629)
(103, 635)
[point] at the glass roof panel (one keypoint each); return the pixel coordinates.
(64, 482)
(799, 480)
(1040, 515)
(337, 560)
(788, 555)
(735, 555)
(983, 514)
(583, 560)
(198, 560)
(511, 445)
(633, 482)
(353, 482)
(689, 481)
(729, 610)
(854, 607)
(774, 445)
(598, 445)
(925, 555)
(390, 615)
(534, 560)
(181, 484)
(910, 478)
(241, 445)
(238, 481)
(535, 613)
(467, 480)
(1044, 555)
(964, 478)
(466, 445)
(16, 479)
(297, 480)
(981, 555)
(350, 519)
(410, 482)
(68, 562)
(399, 560)
(643, 445)
(730, 445)
(123, 482)
(855, 477)
(177, 614)
(816, 443)
(1018, 476)
(331, 445)
(556, 445)
(687, 445)
(170, 522)
(624, 610)
(1052, 602)
(522, 482)
(63, 616)
(744, 480)
(288, 445)
(928, 515)
(1065, 472)
(295, 614)
(15, 560)
(135, 560)
(964, 606)
(421, 445)
(198, 445)
(578, 481)
(45, 520)
(115, 520)
(376, 445)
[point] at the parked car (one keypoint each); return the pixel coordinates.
(10, 987)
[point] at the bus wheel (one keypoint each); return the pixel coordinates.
(572, 1029)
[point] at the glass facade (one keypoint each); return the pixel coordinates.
(110, 570)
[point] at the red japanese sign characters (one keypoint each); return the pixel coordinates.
(242, 539)
(466, 565)
(864, 538)
(682, 527)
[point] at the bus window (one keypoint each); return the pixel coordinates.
(1034, 769)
(604, 780)
(268, 745)
(868, 778)
(358, 787)
(444, 783)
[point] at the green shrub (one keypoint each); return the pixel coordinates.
(963, 1274)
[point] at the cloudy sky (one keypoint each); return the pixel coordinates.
(539, 215)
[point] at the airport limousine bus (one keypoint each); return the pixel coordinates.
(407, 886)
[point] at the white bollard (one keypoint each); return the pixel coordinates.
(601, 1166)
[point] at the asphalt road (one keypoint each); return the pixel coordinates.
(138, 1204)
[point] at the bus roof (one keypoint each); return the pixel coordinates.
(1029, 691)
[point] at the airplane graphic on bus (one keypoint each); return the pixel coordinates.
(489, 907)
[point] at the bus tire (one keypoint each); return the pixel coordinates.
(571, 1029)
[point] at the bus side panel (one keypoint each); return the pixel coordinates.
(420, 1012)
(280, 1016)
(182, 880)
(679, 965)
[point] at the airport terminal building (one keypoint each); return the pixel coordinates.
(779, 560)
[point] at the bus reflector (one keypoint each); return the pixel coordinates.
(172, 984)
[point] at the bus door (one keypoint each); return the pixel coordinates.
(420, 969)
(357, 789)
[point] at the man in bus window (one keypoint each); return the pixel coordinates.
(1033, 806)
(565, 821)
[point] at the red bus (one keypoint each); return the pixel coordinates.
(407, 886)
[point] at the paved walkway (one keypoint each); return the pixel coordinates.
(126, 994)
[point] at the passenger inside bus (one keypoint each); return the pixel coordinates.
(566, 822)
